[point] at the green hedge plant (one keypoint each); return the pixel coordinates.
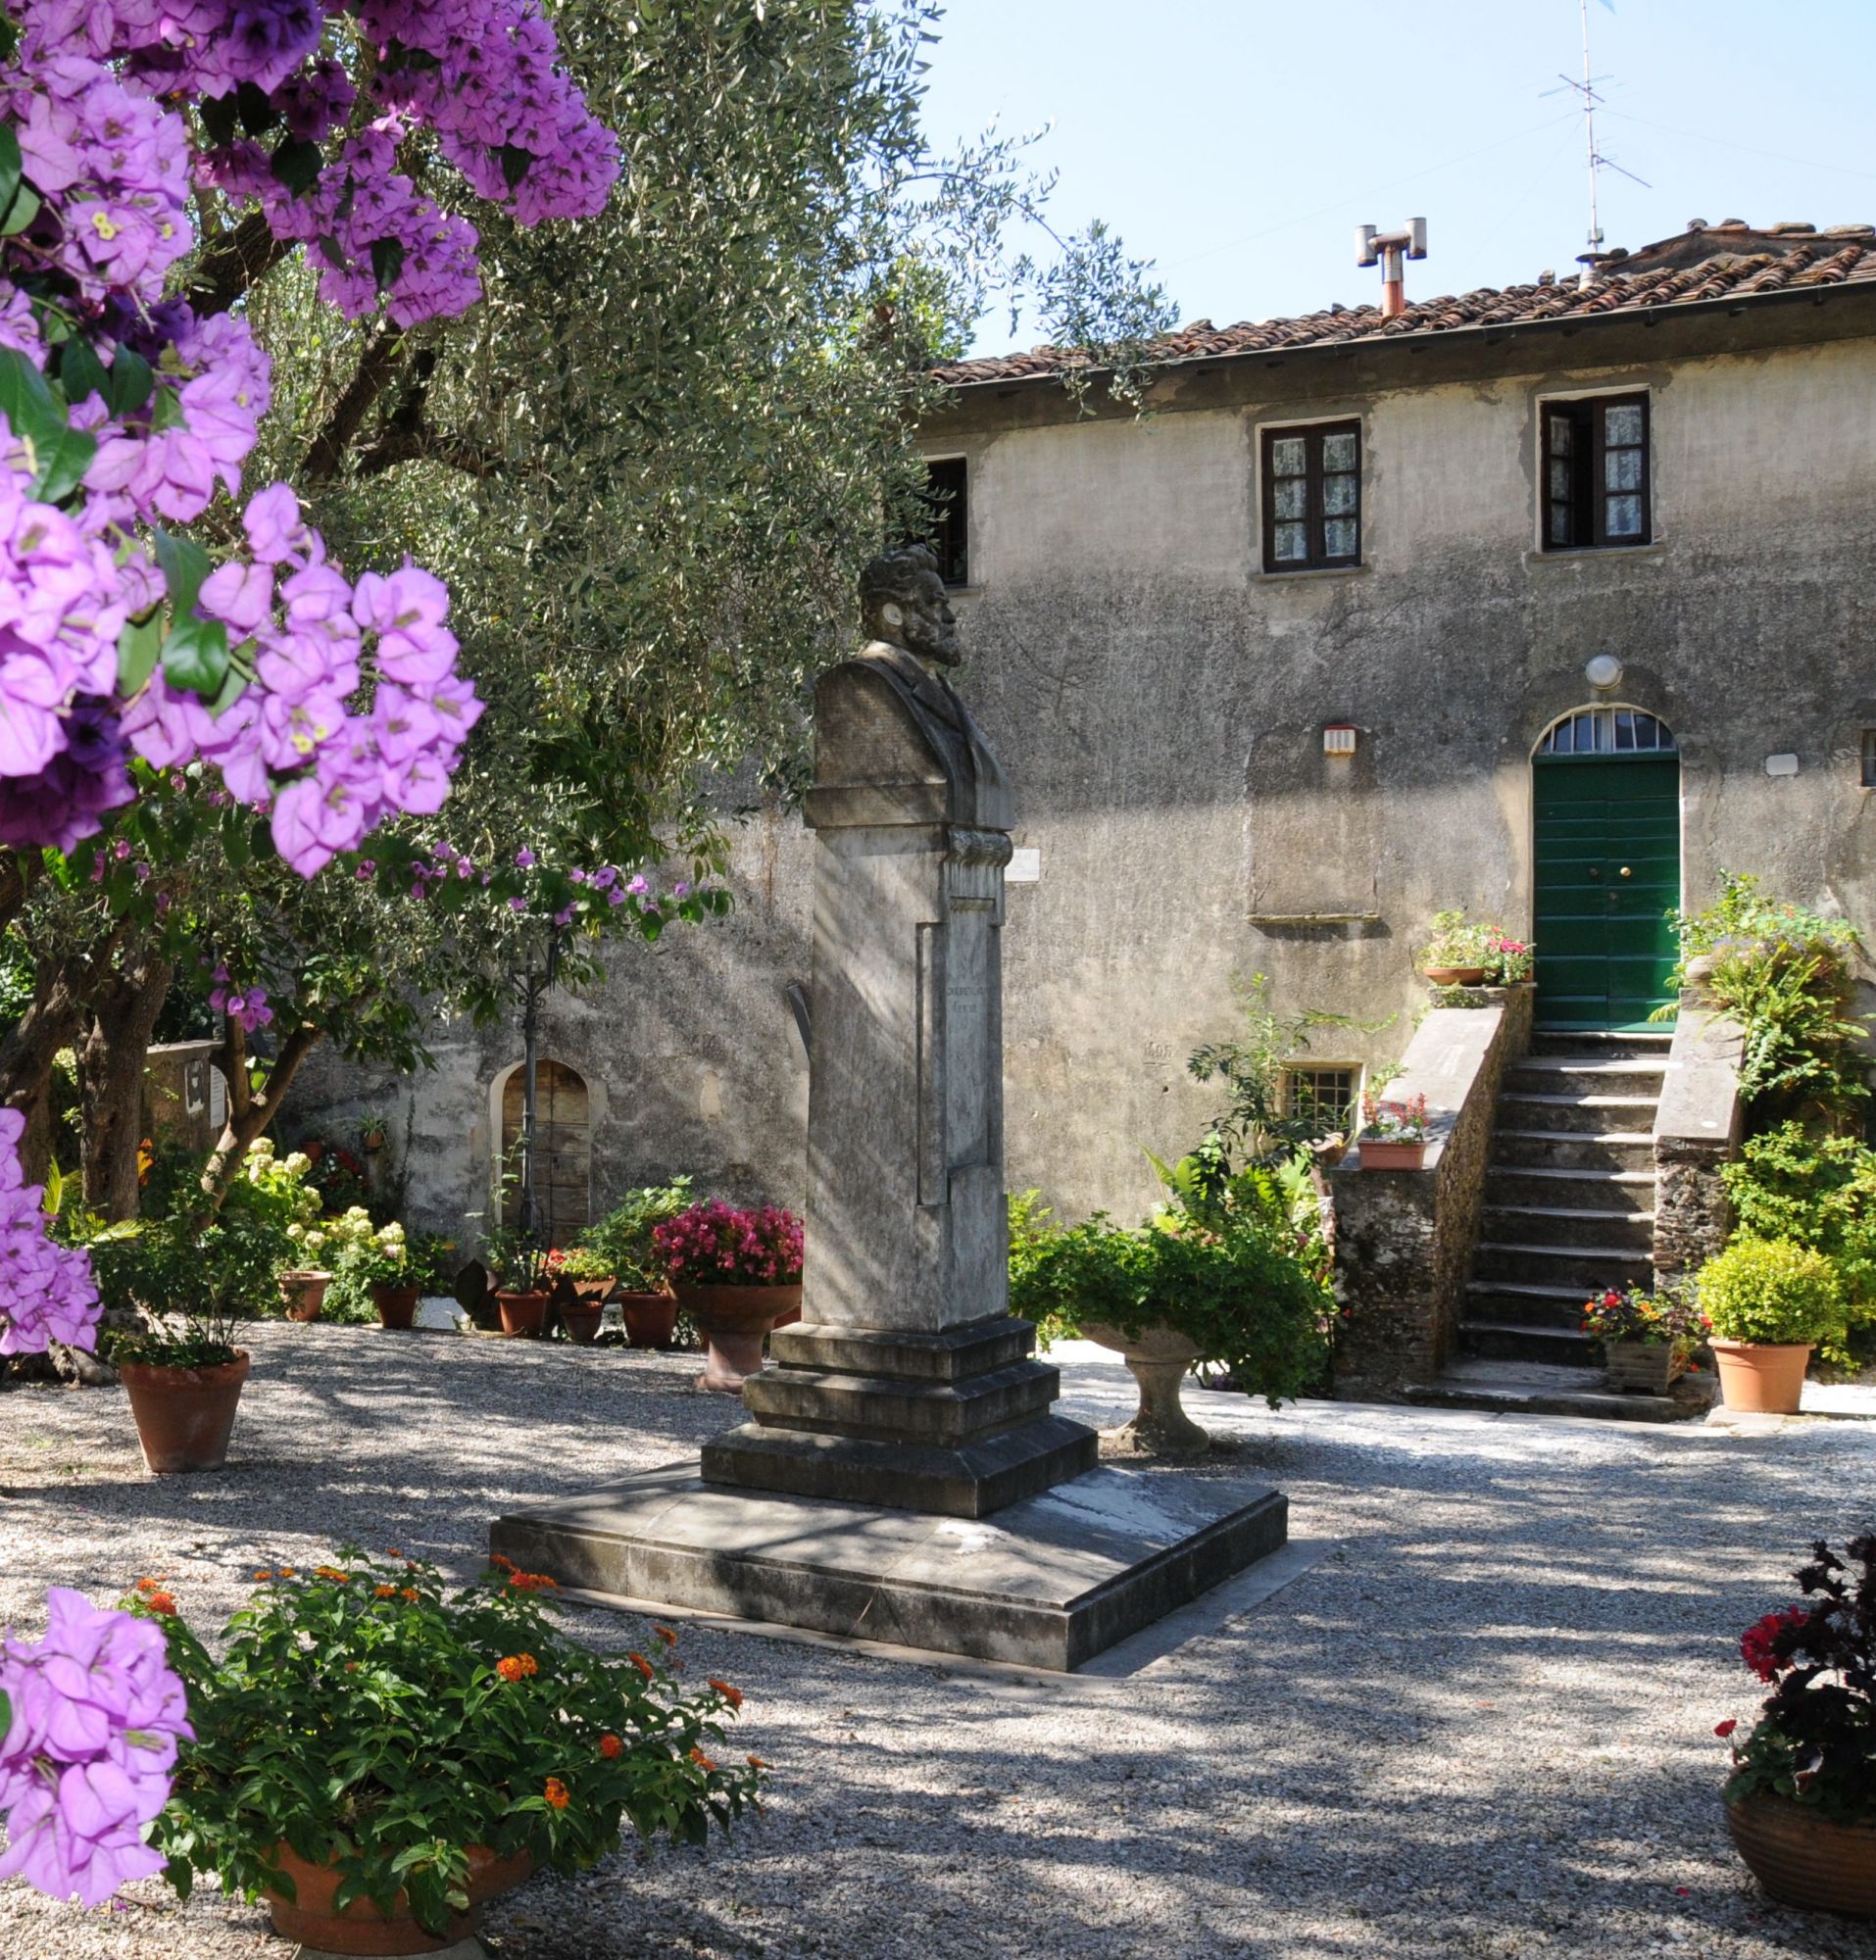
(1773, 1291)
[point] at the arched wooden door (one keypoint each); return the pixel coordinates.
(563, 1149)
(1606, 800)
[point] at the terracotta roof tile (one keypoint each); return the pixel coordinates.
(1704, 263)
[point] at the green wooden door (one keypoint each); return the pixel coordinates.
(1608, 867)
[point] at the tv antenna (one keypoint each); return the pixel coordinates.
(1586, 93)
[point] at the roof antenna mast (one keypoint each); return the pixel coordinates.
(1585, 92)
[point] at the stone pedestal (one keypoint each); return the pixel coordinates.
(907, 1383)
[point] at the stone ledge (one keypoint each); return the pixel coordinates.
(893, 1410)
(967, 1480)
(1051, 1583)
(954, 1355)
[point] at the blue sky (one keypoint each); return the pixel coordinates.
(1239, 143)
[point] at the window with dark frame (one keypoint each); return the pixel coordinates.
(1869, 759)
(946, 498)
(1595, 487)
(1312, 497)
(1324, 1095)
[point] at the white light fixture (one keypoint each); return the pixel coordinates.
(1604, 670)
(1781, 765)
(1338, 737)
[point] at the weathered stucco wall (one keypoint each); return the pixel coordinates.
(1157, 703)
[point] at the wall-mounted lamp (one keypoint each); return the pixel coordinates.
(1338, 737)
(1604, 670)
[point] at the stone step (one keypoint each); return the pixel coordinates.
(1592, 1190)
(1574, 1150)
(1523, 1304)
(1499, 1340)
(1530, 1109)
(1617, 1041)
(1568, 1225)
(1513, 1387)
(1576, 1075)
(1592, 1267)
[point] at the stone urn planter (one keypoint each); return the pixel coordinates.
(522, 1313)
(1761, 1377)
(1455, 976)
(733, 1320)
(1649, 1368)
(396, 1304)
(184, 1416)
(360, 1928)
(303, 1293)
(651, 1318)
(1158, 1360)
(1805, 1858)
(1377, 1154)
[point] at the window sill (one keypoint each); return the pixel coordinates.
(1654, 552)
(963, 591)
(1315, 572)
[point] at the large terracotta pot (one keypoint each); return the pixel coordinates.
(733, 1320)
(1761, 1377)
(303, 1292)
(651, 1318)
(1803, 1857)
(1158, 1360)
(523, 1312)
(184, 1416)
(361, 1928)
(1377, 1154)
(396, 1305)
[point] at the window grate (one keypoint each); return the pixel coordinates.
(1607, 731)
(1324, 1095)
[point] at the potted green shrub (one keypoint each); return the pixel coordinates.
(521, 1272)
(1225, 1275)
(1800, 1803)
(737, 1274)
(375, 1753)
(1459, 951)
(181, 1371)
(1770, 1303)
(1648, 1339)
(622, 1243)
(1393, 1132)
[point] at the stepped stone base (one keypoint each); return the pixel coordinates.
(957, 1422)
(1050, 1582)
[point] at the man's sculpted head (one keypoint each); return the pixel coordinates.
(901, 600)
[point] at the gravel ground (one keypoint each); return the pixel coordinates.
(1479, 1727)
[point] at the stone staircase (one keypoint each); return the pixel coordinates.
(1568, 1211)
(1569, 1194)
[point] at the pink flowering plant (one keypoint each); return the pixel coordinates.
(1401, 1120)
(1814, 1741)
(716, 1244)
(90, 1719)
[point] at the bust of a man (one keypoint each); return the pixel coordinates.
(903, 603)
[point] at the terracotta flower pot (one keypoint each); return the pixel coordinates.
(651, 1318)
(1377, 1154)
(1761, 1377)
(1158, 1360)
(733, 1320)
(522, 1313)
(1803, 1857)
(361, 1928)
(581, 1323)
(303, 1292)
(184, 1416)
(1455, 976)
(396, 1305)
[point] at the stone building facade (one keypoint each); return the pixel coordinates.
(1246, 741)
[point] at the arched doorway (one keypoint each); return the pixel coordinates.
(1606, 802)
(563, 1149)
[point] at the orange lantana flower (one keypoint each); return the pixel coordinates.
(332, 1573)
(702, 1761)
(609, 1746)
(391, 1551)
(757, 1763)
(733, 1695)
(408, 1593)
(502, 1562)
(644, 1666)
(384, 1591)
(556, 1793)
(533, 1582)
(516, 1667)
(667, 1635)
(160, 1601)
